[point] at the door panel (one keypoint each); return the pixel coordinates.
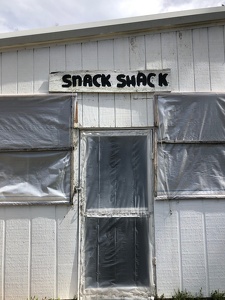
(116, 252)
(116, 213)
(116, 172)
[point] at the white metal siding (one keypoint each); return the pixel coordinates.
(38, 244)
(190, 240)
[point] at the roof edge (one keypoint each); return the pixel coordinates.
(116, 26)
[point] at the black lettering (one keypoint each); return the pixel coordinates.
(141, 79)
(66, 80)
(87, 80)
(131, 80)
(162, 79)
(77, 80)
(149, 79)
(122, 81)
(95, 80)
(105, 80)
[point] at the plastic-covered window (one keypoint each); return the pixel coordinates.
(191, 138)
(35, 148)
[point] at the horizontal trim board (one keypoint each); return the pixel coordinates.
(190, 142)
(29, 203)
(190, 197)
(37, 149)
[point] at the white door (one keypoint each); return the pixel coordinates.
(116, 235)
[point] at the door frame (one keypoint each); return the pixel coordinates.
(117, 293)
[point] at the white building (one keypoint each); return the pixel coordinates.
(130, 202)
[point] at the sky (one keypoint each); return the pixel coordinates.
(18, 15)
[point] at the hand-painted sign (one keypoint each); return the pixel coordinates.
(110, 81)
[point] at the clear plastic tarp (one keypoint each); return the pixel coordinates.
(191, 146)
(35, 121)
(117, 252)
(117, 238)
(191, 117)
(191, 169)
(116, 172)
(35, 148)
(35, 175)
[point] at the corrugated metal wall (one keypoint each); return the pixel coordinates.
(38, 245)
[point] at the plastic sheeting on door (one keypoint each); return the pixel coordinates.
(191, 145)
(117, 239)
(116, 172)
(117, 252)
(35, 148)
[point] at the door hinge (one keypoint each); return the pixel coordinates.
(77, 189)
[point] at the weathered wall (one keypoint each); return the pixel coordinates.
(38, 245)
(190, 240)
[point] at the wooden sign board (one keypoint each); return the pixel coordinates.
(110, 81)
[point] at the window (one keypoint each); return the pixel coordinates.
(191, 140)
(35, 149)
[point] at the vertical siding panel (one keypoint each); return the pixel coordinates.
(193, 246)
(67, 252)
(121, 54)
(216, 58)
(17, 253)
(169, 57)
(106, 101)
(201, 60)
(41, 70)
(74, 63)
(122, 101)
(150, 109)
(90, 107)
(2, 252)
(138, 101)
(90, 110)
(123, 110)
(153, 52)
(153, 61)
(137, 53)
(73, 57)
(185, 61)
(106, 110)
(43, 252)
(215, 232)
(57, 58)
(167, 248)
(139, 110)
(90, 56)
(9, 73)
(206, 248)
(25, 71)
(105, 55)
